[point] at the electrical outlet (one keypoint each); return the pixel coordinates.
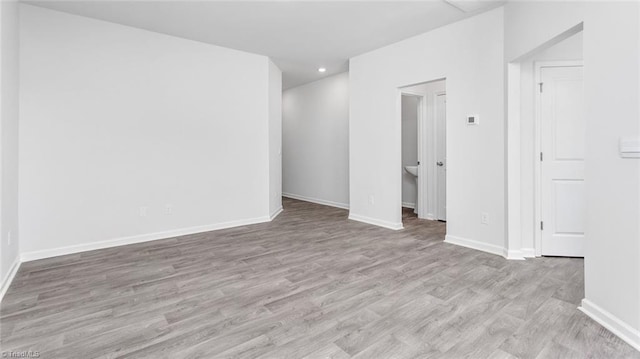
(372, 200)
(484, 218)
(168, 209)
(143, 211)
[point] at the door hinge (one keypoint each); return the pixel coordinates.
(540, 84)
(541, 225)
(541, 157)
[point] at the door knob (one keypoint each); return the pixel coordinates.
(440, 164)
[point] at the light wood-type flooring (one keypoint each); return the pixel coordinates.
(310, 284)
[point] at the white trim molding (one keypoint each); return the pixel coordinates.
(514, 181)
(54, 252)
(6, 282)
(528, 252)
(616, 326)
(473, 244)
(519, 254)
(316, 200)
(376, 222)
(275, 213)
(513, 255)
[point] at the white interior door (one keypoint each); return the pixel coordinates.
(562, 145)
(441, 156)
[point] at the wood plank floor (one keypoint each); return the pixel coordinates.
(310, 284)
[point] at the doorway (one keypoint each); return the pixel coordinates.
(560, 173)
(424, 163)
(527, 93)
(411, 108)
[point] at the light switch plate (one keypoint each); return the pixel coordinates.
(473, 119)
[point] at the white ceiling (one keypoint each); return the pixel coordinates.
(300, 36)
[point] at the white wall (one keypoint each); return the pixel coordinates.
(9, 140)
(569, 49)
(275, 139)
(469, 54)
(115, 118)
(611, 59)
(316, 141)
(409, 148)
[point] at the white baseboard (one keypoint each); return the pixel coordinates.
(513, 255)
(376, 222)
(616, 326)
(473, 244)
(54, 252)
(316, 200)
(275, 214)
(521, 254)
(529, 252)
(409, 205)
(6, 281)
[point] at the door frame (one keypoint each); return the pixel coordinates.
(422, 112)
(435, 151)
(537, 143)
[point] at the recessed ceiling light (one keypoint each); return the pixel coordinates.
(322, 69)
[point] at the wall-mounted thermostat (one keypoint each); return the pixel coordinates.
(473, 119)
(630, 147)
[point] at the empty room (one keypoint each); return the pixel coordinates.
(319, 179)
